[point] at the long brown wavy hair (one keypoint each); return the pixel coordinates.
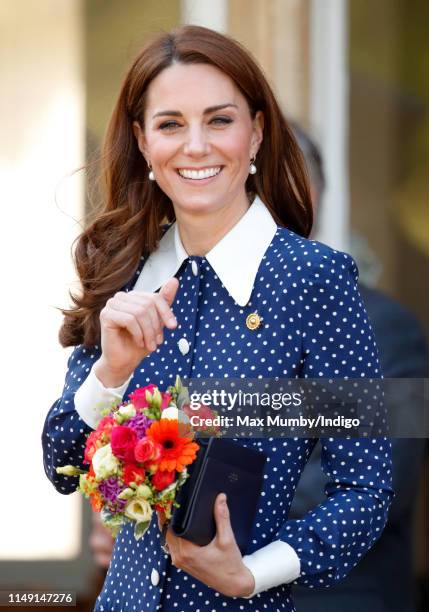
(128, 224)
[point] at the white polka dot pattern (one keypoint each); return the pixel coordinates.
(314, 324)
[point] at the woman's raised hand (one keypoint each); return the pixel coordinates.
(131, 328)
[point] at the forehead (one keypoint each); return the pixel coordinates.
(191, 87)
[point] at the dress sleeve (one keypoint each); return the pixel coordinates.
(64, 431)
(338, 342)
(92, 397)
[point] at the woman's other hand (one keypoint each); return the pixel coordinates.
(131, 328)
(219, 564)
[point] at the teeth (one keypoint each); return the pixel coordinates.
(198, 175)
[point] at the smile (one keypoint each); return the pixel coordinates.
(199, 175)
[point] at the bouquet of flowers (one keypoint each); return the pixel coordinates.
(137, 458)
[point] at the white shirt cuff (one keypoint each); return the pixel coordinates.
(92, 397)
(274, 564)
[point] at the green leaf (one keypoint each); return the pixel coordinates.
(69, 470)
(152, 413)
(182, 397)
(113, 522)
(140, 529)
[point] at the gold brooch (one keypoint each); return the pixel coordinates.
(253, 321)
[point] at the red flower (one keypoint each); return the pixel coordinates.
(162, 479)
(133, 473)
(147, 450)
(93, 443)
(123, 440)
(163, 509)
(106, 425)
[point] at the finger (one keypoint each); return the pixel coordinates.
(132, 307)
(169, 290)
(146, 315)
(157, 323)
(164, 311)
(168, 293)
(149, 331)
(224, 533)
(112, 319)
(174, 543)
(143, 308)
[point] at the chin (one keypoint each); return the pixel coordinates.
(198, 205)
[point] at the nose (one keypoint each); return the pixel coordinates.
(196, 144)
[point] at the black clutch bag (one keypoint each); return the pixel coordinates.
(221, 466)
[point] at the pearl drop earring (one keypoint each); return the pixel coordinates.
(151, 174)
(252, 167)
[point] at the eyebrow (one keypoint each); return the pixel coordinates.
(207, 111)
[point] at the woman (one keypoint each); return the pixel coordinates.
(197, 137)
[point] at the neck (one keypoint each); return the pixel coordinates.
(200, 233)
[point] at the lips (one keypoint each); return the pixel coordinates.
(200, 174)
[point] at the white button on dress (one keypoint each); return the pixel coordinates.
(154, 577)
(183, 345)
(194, 267)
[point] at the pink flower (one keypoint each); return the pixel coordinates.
(147, 450)
(166, 399)
(138, 397)
(123, 441)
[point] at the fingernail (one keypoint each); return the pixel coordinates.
(172, 321)
(159, 339)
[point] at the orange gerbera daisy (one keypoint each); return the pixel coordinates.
(177, 452)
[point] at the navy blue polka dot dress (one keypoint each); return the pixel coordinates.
(314, 325)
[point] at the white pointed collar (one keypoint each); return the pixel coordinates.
(235, 258)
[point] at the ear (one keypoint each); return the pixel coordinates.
(141, 140)
(258, 133)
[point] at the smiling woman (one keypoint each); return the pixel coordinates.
(178, 75)
(200, 152)
(197, 138)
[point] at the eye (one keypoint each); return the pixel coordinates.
(221, 120)
(169, 125)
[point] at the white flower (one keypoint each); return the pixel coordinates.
(174, 414)
(170, 413)
(127, 411)
(104, 462)
(138, 510)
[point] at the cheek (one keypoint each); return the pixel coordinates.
(160, 150)
(236, 146)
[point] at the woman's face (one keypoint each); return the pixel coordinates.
(199, 138)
